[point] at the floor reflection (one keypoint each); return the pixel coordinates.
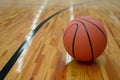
(82, 71)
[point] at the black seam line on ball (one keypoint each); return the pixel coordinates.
(88, 38)
(95, 26)
(73, 43)
(68, 29)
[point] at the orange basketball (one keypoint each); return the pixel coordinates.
(85, 38)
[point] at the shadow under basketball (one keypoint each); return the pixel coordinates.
(82, 71)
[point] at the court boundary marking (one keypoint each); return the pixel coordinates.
(16, 55)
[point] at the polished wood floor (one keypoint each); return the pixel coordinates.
(45, 57)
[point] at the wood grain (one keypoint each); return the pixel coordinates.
(45, 58)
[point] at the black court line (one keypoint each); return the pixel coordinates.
(14, 58)
(16, 55)
(92, 52)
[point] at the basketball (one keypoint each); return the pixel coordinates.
(85, 39)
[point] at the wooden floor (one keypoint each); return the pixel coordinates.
(45, 57)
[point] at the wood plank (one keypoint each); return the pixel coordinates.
(46, 58)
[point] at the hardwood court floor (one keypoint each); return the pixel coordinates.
(43, 56)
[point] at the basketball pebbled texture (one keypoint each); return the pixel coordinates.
(85, 38)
